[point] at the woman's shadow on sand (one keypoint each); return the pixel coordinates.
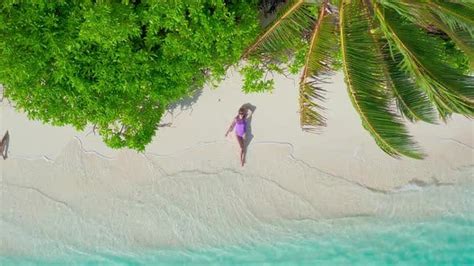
(4, 144)
(248, 134)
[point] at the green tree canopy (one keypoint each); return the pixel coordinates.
(116, 65)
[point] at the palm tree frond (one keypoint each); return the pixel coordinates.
(427, 16)
(318, 65)
(285, 31)
(463, 39)
(447, 87)
(455, 15)
(461, 31)
(411, 101)
(366, 83)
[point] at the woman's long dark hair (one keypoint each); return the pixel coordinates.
(242, 111)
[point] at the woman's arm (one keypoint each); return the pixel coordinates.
(231, 127)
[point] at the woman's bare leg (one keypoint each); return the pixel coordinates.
(242, 147)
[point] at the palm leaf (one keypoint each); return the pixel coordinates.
(318, 65)
(366, 82)
(448, 88)
(461, 31)
(411, 101)
(455, 15)
(285, 31)
(466, 3)
(462, 38)
(427, 16)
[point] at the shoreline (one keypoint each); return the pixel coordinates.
(343, 148)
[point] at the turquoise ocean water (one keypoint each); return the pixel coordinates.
(361, 241)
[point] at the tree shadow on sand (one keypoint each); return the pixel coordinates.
(248, 132)
(185, 104)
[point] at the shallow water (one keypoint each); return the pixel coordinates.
(361, 241)
(82, 209)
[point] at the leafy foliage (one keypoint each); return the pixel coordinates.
(401, 59)
(284, 32)
(365, 83)
(319, 62)
(255, 77)
(451, 18)
(116, 65)
(447, 87)
(411, 101)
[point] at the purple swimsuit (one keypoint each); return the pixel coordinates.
(240, 127)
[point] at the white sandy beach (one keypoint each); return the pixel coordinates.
(188, 189)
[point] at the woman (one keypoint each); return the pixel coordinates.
(240, 125)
